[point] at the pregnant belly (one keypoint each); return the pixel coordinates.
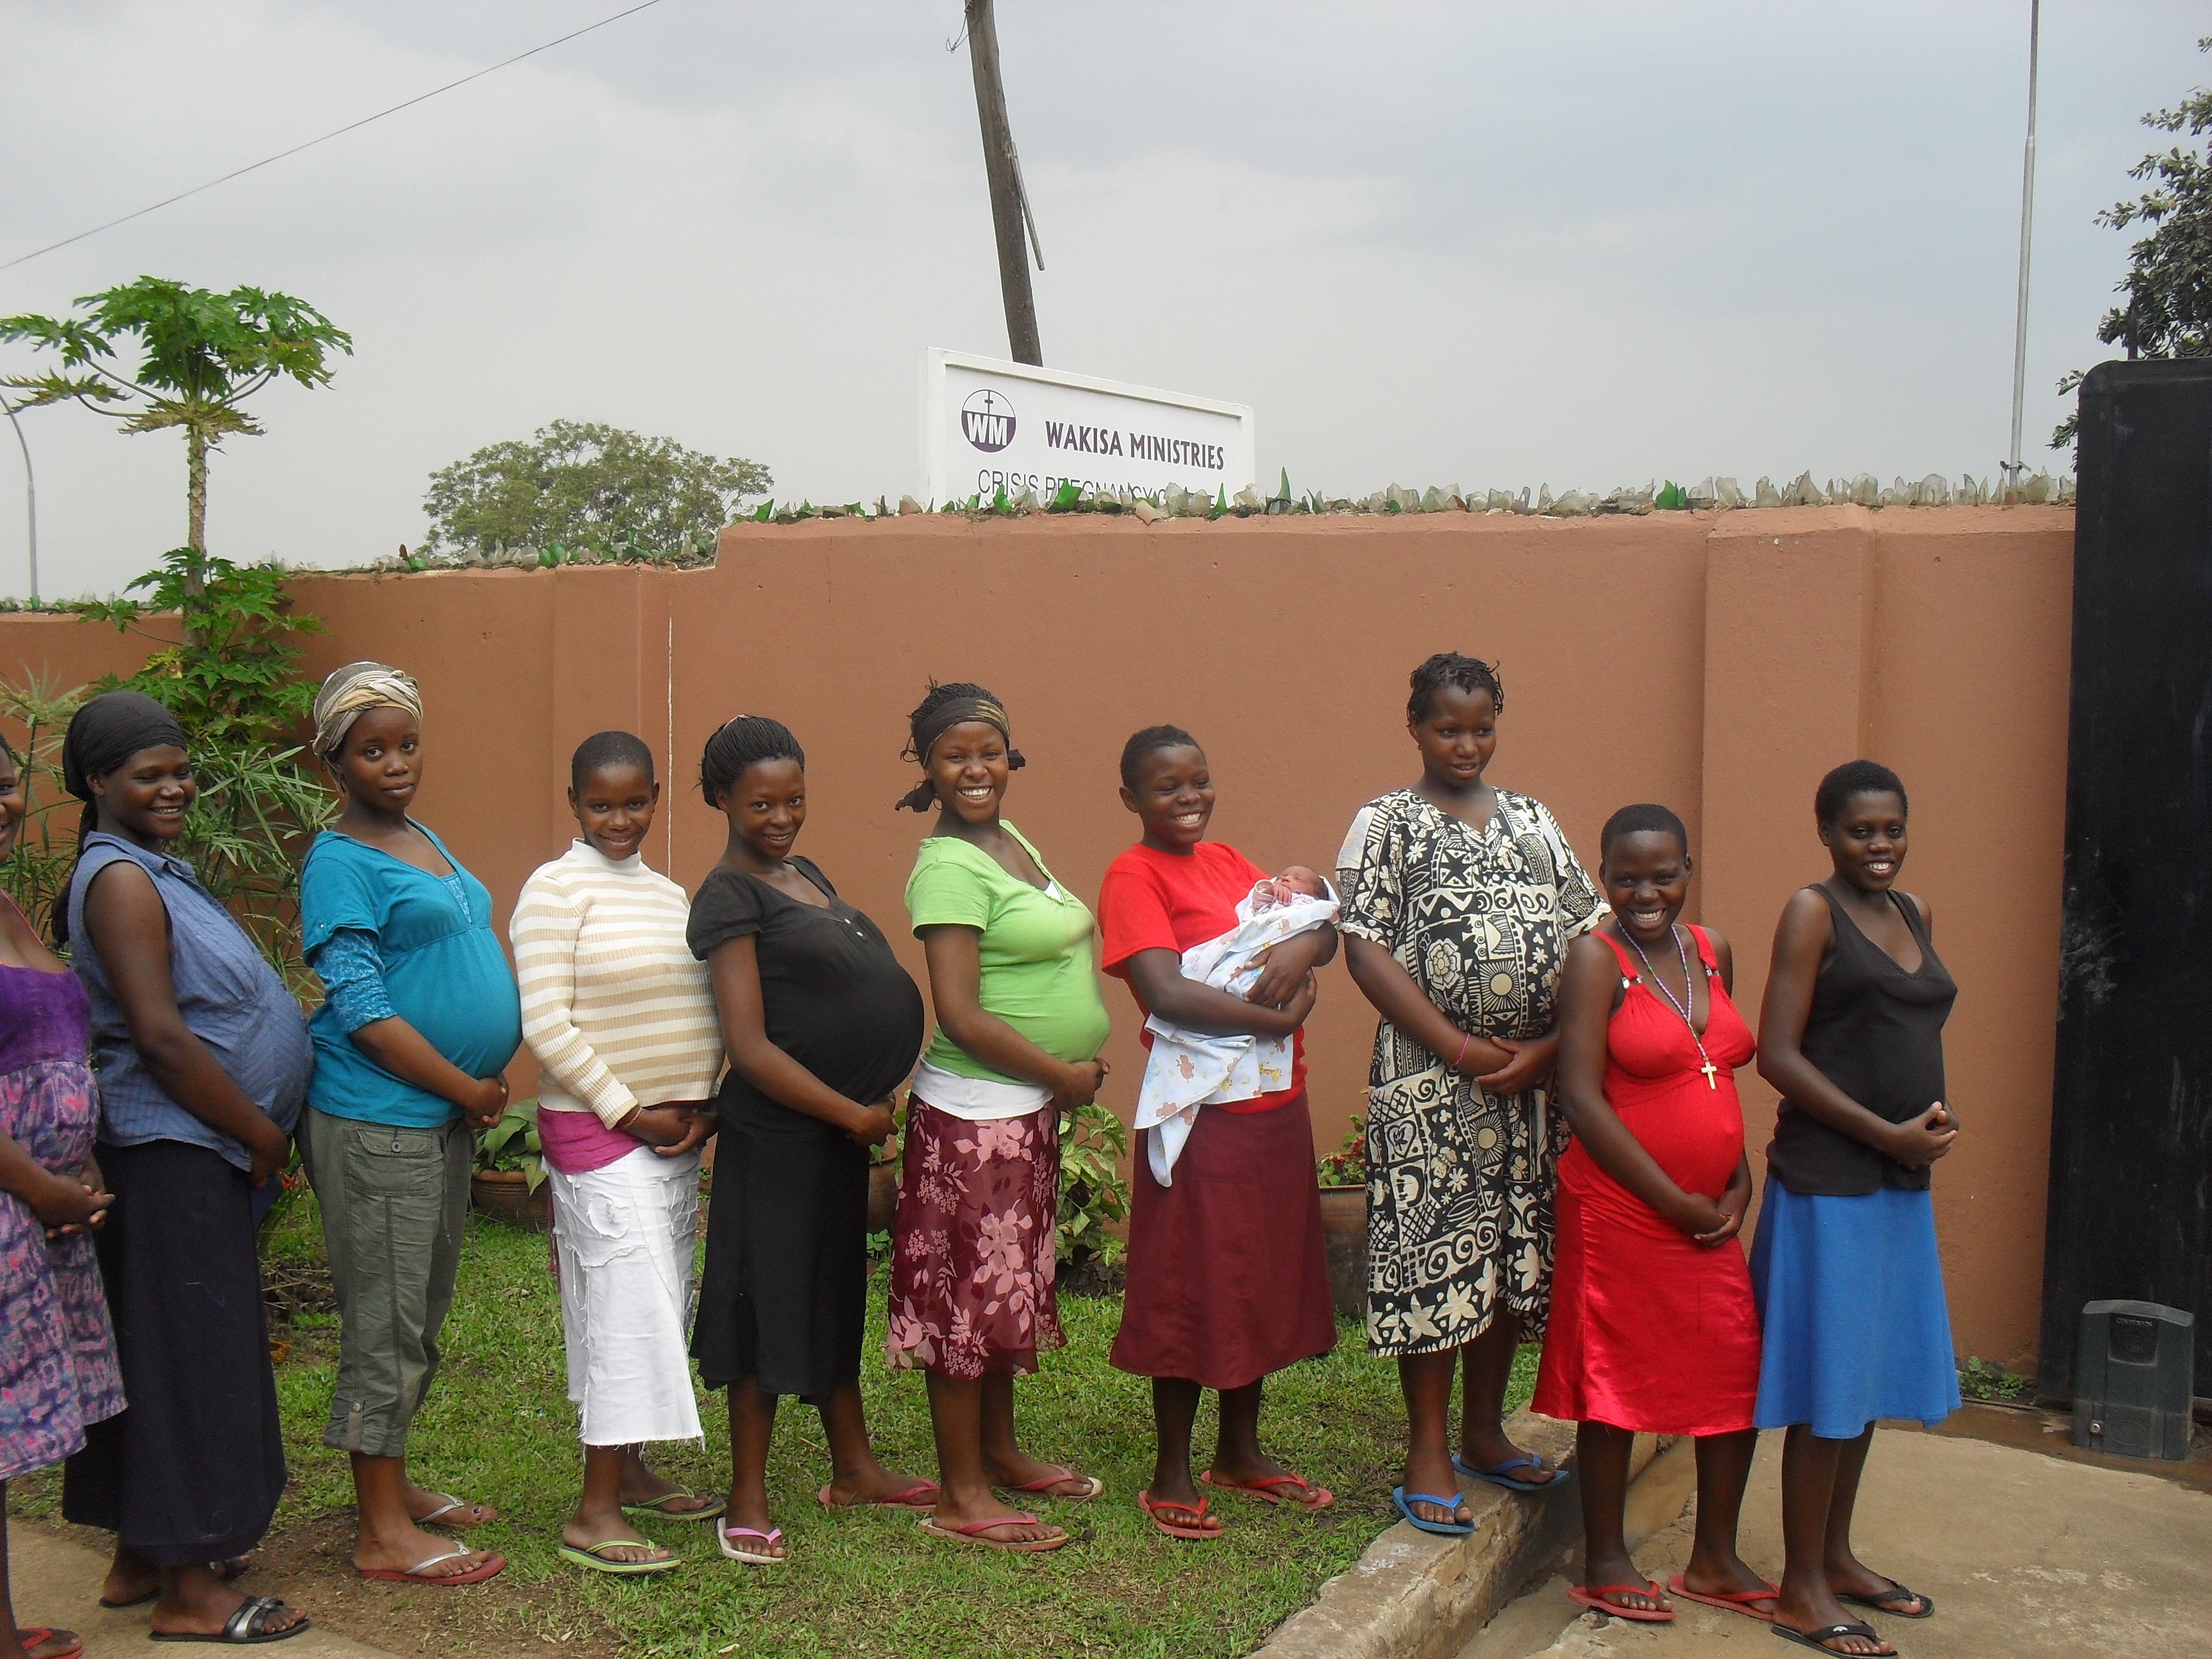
(1697, 1143)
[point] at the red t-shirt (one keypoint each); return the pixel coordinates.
(1156, 901)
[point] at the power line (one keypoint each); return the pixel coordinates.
(336, 133)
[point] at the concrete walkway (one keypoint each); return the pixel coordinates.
(2023, 1554)
(57, 1583)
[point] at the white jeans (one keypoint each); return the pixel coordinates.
(626, 1236)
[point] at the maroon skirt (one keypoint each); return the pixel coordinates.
(1228, 1275)
(975, 1242)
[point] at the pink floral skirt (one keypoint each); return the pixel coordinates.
(974, 1245)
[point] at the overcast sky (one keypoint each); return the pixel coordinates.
(1577, 244)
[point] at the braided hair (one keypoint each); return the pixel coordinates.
(744, 742)
(1468, 674)
(1150, 741)
(609, 749)
(1646, 818)
(1853, 779)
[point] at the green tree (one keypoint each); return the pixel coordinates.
(578, 483)
(202, 354)
(2168, 285)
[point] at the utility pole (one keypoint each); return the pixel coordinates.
(2026, 235)
(30, 494)
(1009, 204)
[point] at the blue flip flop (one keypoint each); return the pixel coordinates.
(1445, 1529)
(1500, 1474)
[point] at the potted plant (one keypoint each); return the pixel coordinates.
(884, 1175)
(1343, 1179)
(509, 1182)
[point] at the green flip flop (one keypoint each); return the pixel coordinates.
(659, 1509)
(592, 1558)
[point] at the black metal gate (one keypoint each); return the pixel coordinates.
(2131, 1122)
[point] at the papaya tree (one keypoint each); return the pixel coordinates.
(200, 356)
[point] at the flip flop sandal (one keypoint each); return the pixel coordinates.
(592, 1556)
(1198, 1527)
(658, 1508)
(922, 1495)
(1501, 1474)
(490, 1567)
(1454, 1528)
(1886, 1600)
(1729, 1601)
(974, 1531)
(437, 1518)
(247, 1627)
(1595, 1602)
(28, 1639)
(1060, 1475)
(725, 1539)
(1818, 1640)
(1267, 1489)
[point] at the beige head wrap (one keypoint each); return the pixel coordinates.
(351, 691)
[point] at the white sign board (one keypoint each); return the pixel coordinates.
(988, 425)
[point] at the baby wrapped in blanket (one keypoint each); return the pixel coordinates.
(1190, 1069)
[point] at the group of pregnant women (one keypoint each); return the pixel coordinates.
(1552, 1133)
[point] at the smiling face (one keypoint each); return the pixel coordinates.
(968, 768)
(1173, 798)
(767, 807)
(146, 797)
(1866, 840)
(379, 764)
(1457, 735)
(11, 802)
(1646, 876)
(614, 808)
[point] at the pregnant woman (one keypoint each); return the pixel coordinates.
(1849, 1284)
(822, 1025)
(1019, 1024)
(57, 1369)
(1652, 1328)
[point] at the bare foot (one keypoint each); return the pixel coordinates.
(1852, 1576)
(750, 1511)
(1611, 1573)
(1733, 1576)
(197, 1602)
(644, 1489)
(1815, 1608)
(131, 1578)
(55, 1642)
(611, 1539)
(1491, 1448)
(989, 1518)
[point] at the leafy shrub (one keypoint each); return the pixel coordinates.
(1347, 1166)
(511, 1145)
(36, 872)
(1092, 1193)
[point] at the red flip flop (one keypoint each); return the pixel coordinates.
(1059, 1475)
(28, 1638)
(1731, 1602)
(490, 1567)
(1594, 1600)
(1269, 1490)
(1198, 1527)
(922, 1495)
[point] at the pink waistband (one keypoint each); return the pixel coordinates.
(577, 1142)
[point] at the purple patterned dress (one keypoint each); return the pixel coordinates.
(57, 1369)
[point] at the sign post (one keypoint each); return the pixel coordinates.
(988, 425)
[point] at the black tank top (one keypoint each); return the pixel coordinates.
(1876, 1032)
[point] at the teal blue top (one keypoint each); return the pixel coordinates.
(443, 971)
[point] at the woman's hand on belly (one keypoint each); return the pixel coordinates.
(1528, 1064)
(875, 1125)
(1733, 1204)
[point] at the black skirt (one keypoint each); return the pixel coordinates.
(191, 1469)
(784, 1296)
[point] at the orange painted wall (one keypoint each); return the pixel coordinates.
(1719, 663)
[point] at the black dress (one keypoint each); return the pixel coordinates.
(784, 1296)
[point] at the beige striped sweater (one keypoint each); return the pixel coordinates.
(616, 1008)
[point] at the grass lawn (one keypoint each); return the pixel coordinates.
(499, 1428)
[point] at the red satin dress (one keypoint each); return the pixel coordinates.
(1650, 1331)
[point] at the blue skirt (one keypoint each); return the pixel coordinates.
(1851, 1298)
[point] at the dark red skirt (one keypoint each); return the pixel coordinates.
(1228, 1275)
(974, 1245)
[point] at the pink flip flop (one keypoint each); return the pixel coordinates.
(974, 1531)
(1268, 1489)
(1059, 1475)
(922, 1495)
(1732, 1601)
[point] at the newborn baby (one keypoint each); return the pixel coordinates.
(1191, 1069)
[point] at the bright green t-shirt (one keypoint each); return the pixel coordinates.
(1039, 972)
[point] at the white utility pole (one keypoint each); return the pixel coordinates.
(2026, 235)
(30, 495)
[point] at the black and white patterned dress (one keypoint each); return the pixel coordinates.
(1460, 1181)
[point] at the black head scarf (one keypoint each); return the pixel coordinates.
(103, 735)
(953, 711)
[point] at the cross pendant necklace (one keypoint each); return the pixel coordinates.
(1689, 985)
